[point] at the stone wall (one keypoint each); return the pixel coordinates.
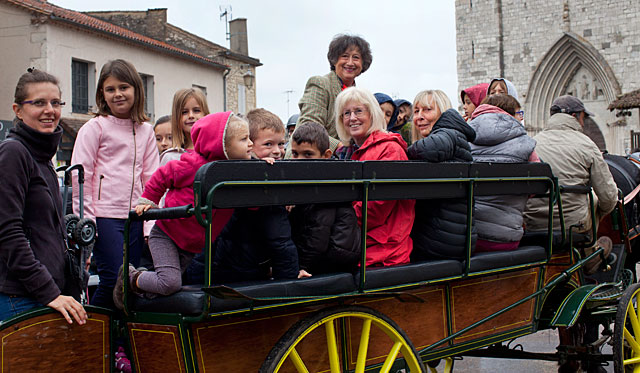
(611, 30)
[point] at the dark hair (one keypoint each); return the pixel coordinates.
(126, 72)
(312, 133)
(262, 119)
(342, 42)
(163, 119)
(507, 103)
(32, 76)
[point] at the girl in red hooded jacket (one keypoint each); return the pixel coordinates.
(173, 243)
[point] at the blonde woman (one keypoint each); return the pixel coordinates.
(360, 124)
(441, 135)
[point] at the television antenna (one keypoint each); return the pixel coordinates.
(288, 92)
(225, 11)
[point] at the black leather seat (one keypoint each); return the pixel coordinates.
(380, 277)
(190, 300)
(499, 259)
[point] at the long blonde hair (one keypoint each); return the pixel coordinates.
(430, 98)
(179, 101)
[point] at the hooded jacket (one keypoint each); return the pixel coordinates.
(327, 237)
(119, 157)
(177, 176)
(499, 138)
(388, 222)
(382, 98)
(476, 94)
(511, 89)
(575, 160)
(32, 235)
(440, 230)
(405, 129)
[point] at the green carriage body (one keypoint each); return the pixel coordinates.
(433, 310)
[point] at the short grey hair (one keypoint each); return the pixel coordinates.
(366, 98)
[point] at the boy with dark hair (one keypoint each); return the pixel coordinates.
(327, 235)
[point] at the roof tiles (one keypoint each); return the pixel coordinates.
(629, 100)
(55, 12)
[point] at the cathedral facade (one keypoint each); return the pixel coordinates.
(586, 48)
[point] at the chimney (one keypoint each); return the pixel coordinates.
(238, 36)
(156, 22)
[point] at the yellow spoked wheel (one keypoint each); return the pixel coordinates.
(340, 339)
(626, 332)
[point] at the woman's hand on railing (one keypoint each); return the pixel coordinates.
(69, 307)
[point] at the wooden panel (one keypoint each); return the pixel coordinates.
(473, 300)
(553, 271)
(48, 343)
(241, 343)
(424, 322)
(150, 341)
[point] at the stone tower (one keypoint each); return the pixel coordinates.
(547, 48)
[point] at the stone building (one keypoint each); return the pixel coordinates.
(239, 97)
(547, 48)
(74, 46)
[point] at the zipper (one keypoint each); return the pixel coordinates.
(100, 186)
(133, 170)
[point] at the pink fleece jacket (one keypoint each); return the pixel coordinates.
(119, 157)
(177, 176)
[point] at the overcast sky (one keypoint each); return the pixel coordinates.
(413, 42)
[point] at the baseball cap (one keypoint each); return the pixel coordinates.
(569, 104)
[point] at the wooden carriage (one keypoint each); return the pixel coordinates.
(378, 319)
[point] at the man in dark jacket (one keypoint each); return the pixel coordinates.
(440, 228)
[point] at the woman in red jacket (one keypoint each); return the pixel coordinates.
(360, 124)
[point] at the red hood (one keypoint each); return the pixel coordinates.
(476, 94)
(486, 109)
(208, 136)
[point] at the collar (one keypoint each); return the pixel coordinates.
(42, 146)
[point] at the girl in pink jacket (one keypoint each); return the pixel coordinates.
(119, 154)
(173, 243)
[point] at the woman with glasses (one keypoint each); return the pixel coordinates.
(32, 246)
(361, 126)
(441, 135)
(349, 56)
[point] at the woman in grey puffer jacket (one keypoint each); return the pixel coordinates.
(500, 138)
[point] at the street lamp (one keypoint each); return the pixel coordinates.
(248, 78)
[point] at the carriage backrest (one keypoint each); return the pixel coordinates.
(241, 183)
(240, 180)
(446, 180)
(511, 178)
